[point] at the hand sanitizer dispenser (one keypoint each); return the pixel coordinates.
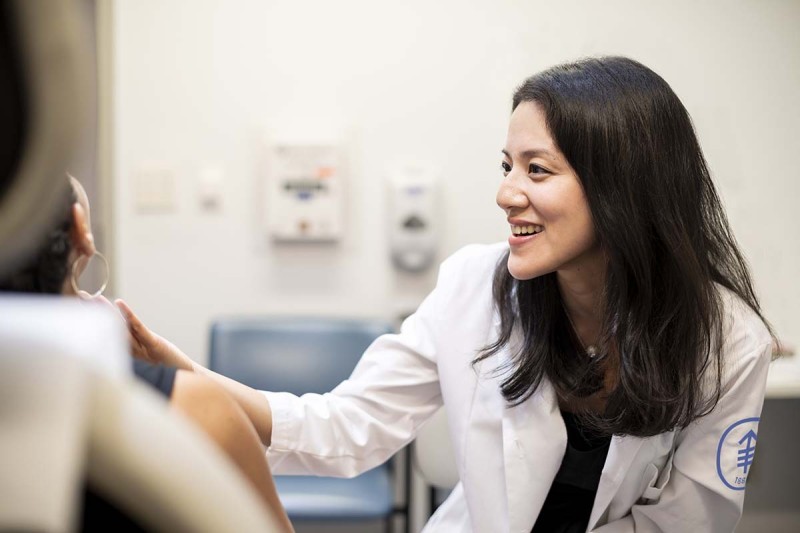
(414, 217)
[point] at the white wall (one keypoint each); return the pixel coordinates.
(199, 82)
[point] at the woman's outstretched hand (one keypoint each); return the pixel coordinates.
(149, 346)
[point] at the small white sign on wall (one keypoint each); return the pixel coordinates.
(154, 188)
(304, 192)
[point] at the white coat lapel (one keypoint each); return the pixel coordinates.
(621, 454)
(534, 441)
(483, 462)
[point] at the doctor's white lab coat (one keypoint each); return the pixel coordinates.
(688, 480)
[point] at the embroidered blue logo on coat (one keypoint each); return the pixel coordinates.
(735, 452)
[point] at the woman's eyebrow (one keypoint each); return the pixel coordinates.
(534, 152)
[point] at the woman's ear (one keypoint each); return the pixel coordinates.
(81, 234)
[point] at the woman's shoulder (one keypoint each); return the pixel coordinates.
(466, 276)
(743, 330)
(476, 258)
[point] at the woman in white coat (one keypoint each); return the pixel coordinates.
(603, 370)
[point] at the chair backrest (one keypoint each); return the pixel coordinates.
(71, 410)
(48, 357)
(48, 107)
(296, 355)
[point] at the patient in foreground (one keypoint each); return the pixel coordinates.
(55, 270)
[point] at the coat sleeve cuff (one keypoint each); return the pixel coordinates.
(284, 425)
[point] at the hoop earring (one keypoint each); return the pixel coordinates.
(74, 278)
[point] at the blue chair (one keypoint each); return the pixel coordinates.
(300, 355)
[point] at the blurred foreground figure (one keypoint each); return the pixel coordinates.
(63, 368)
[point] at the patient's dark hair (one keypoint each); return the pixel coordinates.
(48, 269)
(661, 224)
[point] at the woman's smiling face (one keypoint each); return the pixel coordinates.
(544, 201)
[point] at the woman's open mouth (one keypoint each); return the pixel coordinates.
(522, 234)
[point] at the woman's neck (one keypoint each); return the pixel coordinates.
(582, 293)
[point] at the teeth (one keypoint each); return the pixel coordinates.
(526, 230)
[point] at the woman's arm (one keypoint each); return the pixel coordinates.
(153, 348)
(705, 489)
(359, 425)
(393, 390)
(254, 404)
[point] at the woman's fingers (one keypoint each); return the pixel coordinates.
(126, 311)
(152, 346)
(135, 325)
(136, 347)
(141, 338)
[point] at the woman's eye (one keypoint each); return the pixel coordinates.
(506, 167)
(536, 169)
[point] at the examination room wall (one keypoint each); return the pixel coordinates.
(198, 86)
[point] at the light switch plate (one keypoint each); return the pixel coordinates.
(155, 189)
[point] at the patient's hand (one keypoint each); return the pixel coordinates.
(149, 346)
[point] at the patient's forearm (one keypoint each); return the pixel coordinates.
(209, 406)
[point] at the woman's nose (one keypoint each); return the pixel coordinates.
(510, 197)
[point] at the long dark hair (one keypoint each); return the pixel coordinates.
(662, 227)
(48, 269)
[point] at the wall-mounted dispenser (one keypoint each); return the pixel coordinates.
(414, 217)
(304, 201)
